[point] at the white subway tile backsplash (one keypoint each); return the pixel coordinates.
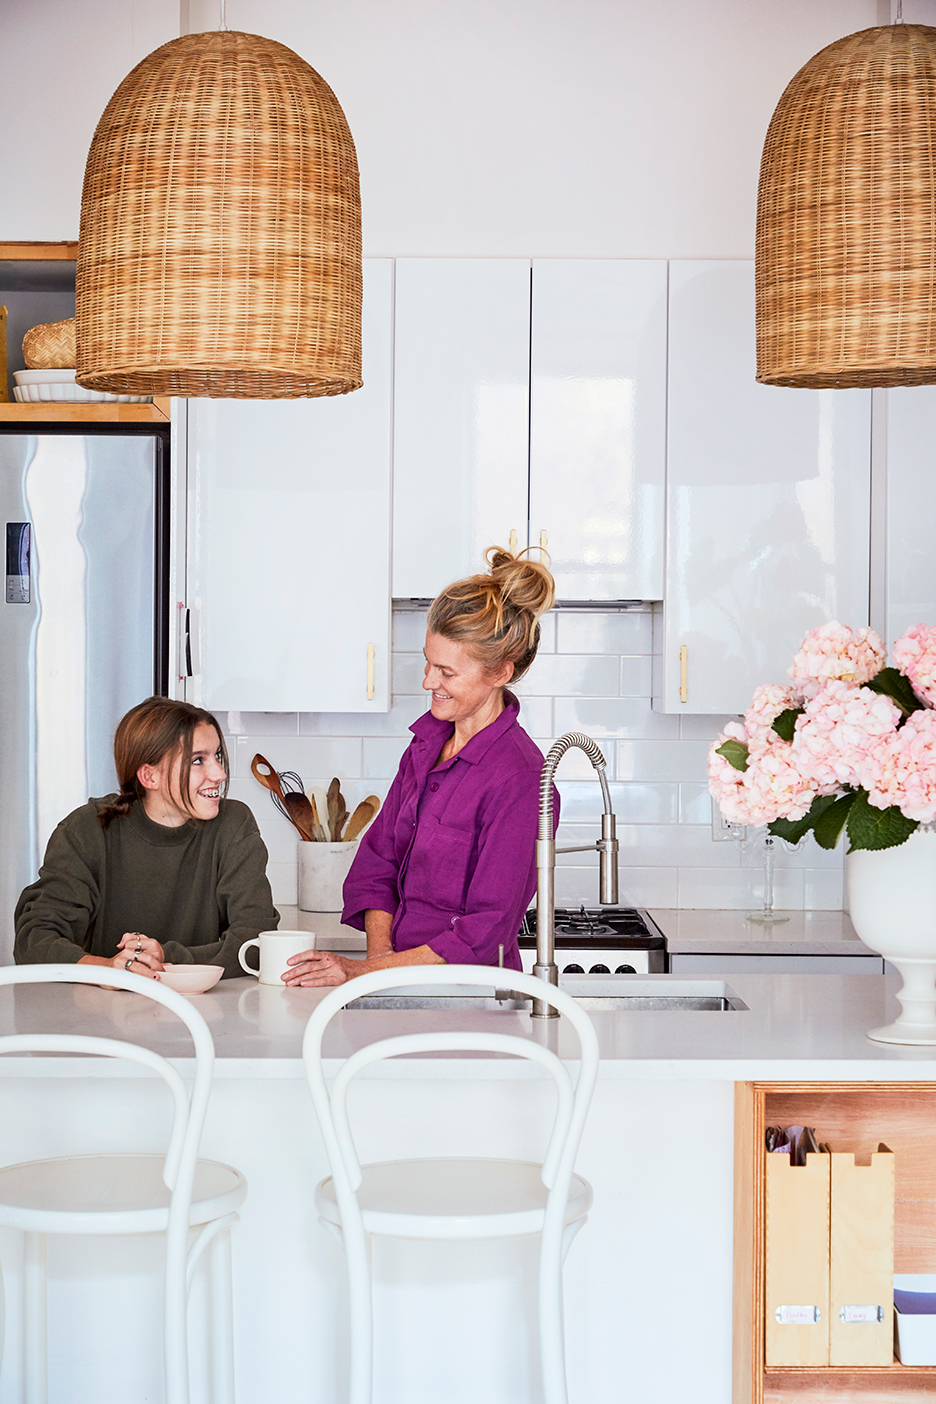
(592, 674)
(633, 804)
(409, 630)
(702, 728)
(675, 845)
(635, 678)
(382, 755)
(547, 643)
(585, 675)
(824, 889)
(648, 887)
(407, 673)
(611, 717)
(661, 760)
(611, 632)
(284, 880)
(536, 716)
(308, 756)
(695, 803)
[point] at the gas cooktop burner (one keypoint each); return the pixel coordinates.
(582, 924)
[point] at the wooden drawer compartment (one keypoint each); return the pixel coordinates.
(854, 1118)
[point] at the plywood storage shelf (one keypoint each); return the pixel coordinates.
(45, 267)
(851, 1116)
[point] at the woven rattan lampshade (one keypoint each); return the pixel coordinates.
(220, 247)
(846, 217)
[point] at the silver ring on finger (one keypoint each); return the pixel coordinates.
(128, 963)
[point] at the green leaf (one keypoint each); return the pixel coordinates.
(892, 683)
(735, 753)
(793, 829)
(831, 822)
(785, 724)
(877, 828)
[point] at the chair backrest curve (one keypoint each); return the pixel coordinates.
(188, 1112)
(331, 1108)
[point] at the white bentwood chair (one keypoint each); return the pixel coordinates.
(127, 1193)
(453, 1198)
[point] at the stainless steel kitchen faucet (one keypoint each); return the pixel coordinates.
(546, 850)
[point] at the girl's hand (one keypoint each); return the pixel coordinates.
(319, 968)
(146, 956)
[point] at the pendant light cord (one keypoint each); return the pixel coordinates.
(224, 14)
(898, 20)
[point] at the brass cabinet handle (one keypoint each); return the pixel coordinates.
(684, 674)
(370, 672)
(544, 540)
(512, 543)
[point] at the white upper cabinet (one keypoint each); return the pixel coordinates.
(462, 362)
(289, 540)
(910, 561)
(598, 425)
(768, 503)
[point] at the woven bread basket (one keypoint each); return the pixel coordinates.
(220, 247)
(846, 217)
(50, 346)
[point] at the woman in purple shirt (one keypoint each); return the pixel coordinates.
(448, 867)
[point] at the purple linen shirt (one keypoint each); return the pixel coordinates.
(452, 853)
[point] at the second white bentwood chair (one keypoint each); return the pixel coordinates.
(127, 1193)
(481, 1198)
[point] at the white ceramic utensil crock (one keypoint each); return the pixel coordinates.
(323, 868)
(892, 903)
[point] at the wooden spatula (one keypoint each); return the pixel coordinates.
(362, 817)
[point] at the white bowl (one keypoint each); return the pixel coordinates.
(191, 979)
(44, 386)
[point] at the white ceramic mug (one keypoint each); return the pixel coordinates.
(275, 948)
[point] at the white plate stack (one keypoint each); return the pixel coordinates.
(45, 386)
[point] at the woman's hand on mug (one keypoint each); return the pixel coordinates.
(145, 956)
(319, 968)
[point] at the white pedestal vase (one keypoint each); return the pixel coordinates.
(892, 901)
(323, 868)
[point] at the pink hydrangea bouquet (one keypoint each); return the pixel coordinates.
(849, 744)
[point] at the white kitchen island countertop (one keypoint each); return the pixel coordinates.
(648, 1282)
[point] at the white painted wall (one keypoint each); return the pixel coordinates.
(607, 128)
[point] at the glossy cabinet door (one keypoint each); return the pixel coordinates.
(598, 425)
(461, 408)
(768, 503)
(910, 560)
(289, 539)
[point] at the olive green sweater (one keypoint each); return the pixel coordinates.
(200, 890)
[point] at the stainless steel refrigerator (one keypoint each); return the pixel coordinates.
(83, 624)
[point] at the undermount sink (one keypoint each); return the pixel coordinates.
(597, 994)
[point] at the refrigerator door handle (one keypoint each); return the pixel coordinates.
(188, 643)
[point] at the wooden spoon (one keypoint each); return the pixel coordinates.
(361, 817)
(301, 811)
(335, 805)
(269, 781)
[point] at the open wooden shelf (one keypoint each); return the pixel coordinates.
(26, 252)
(28, 249)
(851, 1116)
(63, 412)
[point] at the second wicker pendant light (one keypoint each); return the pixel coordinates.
(846, 217)
(220, 244)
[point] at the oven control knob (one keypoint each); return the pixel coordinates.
(573, 970)
(599, 970)
(625, 970)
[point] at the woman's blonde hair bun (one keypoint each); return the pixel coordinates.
(496, 615)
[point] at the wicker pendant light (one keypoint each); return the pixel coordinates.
(220, 248)
(846, 217)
